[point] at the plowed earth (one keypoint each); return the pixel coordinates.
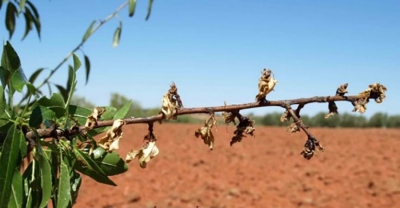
(359, 168)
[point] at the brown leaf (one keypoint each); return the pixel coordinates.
(205, 132)
(332, 110)
(245, 127)
(342, 89)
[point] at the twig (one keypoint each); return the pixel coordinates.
(101, 23)
(45, 133)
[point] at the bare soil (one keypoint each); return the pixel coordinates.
(359, 168)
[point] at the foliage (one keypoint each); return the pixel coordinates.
(36, 170)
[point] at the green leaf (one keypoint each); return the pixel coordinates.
(117, 35)
(79, 113)
(76, 181)
(22, 146)
(17, 191)
(11, 12)
(88, 31)
(8, 164)
(63, 91)
(121, 113)
(4, 74)
(55, 103)
(90, 168)
(29, 19)
(132, 6)
(10, 59)
(149, 9)
(64, 187)
(77, 62)
(3, 104)
(22, 4)
(18, 80)
(39, 115)
(36, 19)
(110, 163)
(45, 176)
(35, 74)
(87, 66)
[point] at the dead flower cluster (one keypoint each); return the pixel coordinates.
(205, 132)
(171, 102)
(375, 91)
(92, 119)
(111, 140)
(265, 85)
(245, 127)
(146, 153)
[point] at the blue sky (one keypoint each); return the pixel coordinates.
(215, 50)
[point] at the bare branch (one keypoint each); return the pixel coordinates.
(46, 133)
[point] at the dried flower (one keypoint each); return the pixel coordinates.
(92, 119)
(228, 116)
(111, 140)
(285, 116)
(205, 132)
(342, 89)
(265, 85)
(245, 126)
(292, 128)
(144, 155)
(171, 102)
(309, 147)
(332, 109)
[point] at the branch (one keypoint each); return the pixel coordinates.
(102, 22)
(46, 133)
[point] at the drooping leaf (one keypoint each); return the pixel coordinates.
(132, 6)
(149, 9)
(89, 167)
(121, 113)
(35, 74)
(110, 163)
(88, 31)
(4, 74)
(117, 35)
(29, 19)
(63, 91)
(36, 20)
(11, 12)
(17, 191)
(39, 115)
(87, 67)
(8, 163)
(64, 188)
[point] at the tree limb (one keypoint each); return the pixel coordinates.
(46, 133)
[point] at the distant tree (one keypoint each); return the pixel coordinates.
(117, 100)
(81, 101)
(378, 120)
(393, 121)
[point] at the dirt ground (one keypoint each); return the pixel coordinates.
(359, 168)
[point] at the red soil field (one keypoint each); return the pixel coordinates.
(359, 168)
